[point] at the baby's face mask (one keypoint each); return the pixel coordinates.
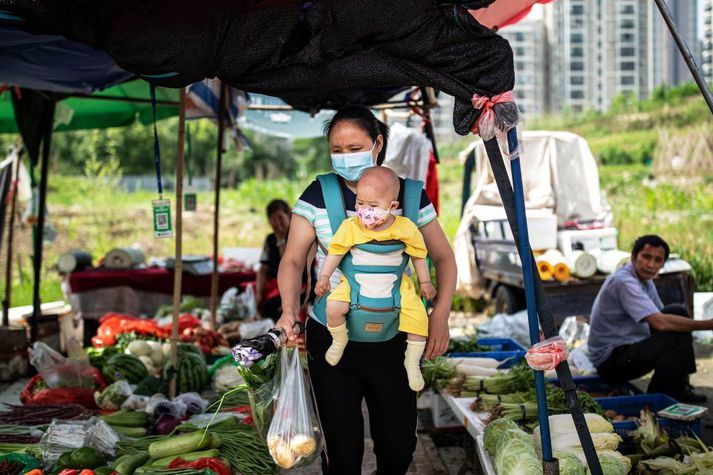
(371, 216)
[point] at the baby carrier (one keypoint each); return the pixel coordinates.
(375, 317)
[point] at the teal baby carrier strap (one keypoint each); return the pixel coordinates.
(370, 319)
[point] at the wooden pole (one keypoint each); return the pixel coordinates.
(178, 268)
(47, 126)
(7, 301)
(216, 213)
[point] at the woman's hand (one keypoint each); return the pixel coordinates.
(438, 335)
(287, 322)
(322, 286)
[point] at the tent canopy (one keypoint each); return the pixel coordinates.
(103, 109)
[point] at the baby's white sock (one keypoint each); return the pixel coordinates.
(414, 350)
(340, 338)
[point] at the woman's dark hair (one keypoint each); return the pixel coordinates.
(277, 205)
(363, 118)
(652, 240)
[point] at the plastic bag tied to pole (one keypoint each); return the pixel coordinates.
(547, 354)
(293, 437)
(499, 114)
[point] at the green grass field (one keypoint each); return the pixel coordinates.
(91, 215)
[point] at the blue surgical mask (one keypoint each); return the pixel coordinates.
(352, 165)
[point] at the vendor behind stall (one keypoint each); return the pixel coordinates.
(632, 332)
(267, 295)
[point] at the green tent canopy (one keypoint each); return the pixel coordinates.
(111, 107)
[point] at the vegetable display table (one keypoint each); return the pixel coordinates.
(485, 461)
(94, 292)
(474, 422)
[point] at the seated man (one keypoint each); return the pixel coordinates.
(632, 332)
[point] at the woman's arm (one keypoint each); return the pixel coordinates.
(439, 249)
(289, 277)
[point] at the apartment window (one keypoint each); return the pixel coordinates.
(627, 51)
(576, 10)
(519, 65)
(627, 9)
(628, 66)
(576, 94)
(519, 95)
(576, 37)
(626, 24)
(576, 66)
(577, 52)
(576, 80)
(577, 22)
(519, 51)
(627, 37)
(519, 36)
(627, 81)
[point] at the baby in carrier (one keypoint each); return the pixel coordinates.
(377, 195)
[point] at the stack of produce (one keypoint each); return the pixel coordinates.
(512, 448)
(565, 441)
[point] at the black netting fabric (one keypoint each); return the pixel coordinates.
(299, 51)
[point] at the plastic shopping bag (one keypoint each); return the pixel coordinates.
(60, 372)
(547, 354)
(294, 438)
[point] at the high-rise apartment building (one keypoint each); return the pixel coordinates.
(599, 51)
(666, 64)
(528, 40)
(707, 44)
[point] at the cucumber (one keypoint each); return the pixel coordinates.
(189, 457)
(130, 431)
(126, 464)
(179, 444)
(126, 418)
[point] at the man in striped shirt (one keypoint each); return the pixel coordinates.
(633, 333)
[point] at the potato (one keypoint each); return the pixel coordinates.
(303, 445)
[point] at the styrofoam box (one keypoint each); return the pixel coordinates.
(442, 413)
(542, 230)
(590, 239)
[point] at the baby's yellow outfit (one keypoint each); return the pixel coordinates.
(413, 317)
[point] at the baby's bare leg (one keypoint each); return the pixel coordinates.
(336, 324)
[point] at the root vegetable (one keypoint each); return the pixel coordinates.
(303, 445)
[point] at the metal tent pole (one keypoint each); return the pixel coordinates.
(686, 52)
(216, 214)
(47, 125)
(178, 270)
(527, 270)
(545, 315)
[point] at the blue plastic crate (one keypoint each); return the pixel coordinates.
(501, 349)
(632, 405)
(599, 387)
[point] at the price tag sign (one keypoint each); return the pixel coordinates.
(162, 226)
(190, 201)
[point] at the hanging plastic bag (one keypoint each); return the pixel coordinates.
(547, 354)
(60, 372)
(294, 436)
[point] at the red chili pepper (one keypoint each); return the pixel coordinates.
(86, 471)
(69, 471)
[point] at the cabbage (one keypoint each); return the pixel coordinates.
(512, 434)
(568, 441)
(569, 464)
(563, 423)
(613, 463)
(516, 456)
(494, 431)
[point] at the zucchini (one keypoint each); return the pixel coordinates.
(126, 464)
(125, 418)
(130, 431)
(179, 444)
(190, 457)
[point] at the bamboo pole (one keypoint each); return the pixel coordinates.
(7, 301)
(178, 269)
(216, 213)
